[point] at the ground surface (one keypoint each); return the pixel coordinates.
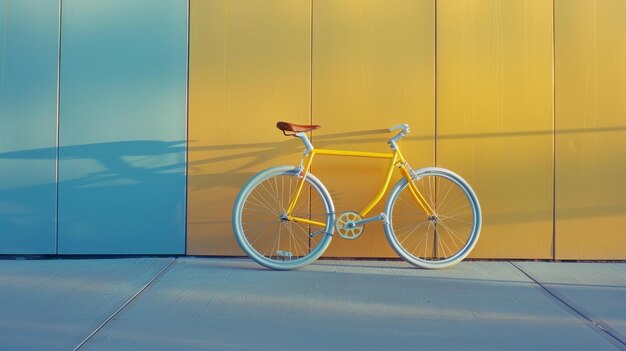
(234, 304)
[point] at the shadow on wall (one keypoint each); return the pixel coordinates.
(132, 161)
(132, 179)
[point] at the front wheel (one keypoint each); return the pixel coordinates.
(438, 241)
(263, 228)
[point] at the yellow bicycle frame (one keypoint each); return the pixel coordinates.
(396, 160)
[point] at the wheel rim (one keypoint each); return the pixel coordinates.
(446, 237)
(269, 236)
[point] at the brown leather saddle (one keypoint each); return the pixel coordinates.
(290, 129)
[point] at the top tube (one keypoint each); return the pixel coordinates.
(393, 142)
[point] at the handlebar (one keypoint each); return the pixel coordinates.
(404, 127)
(404, 130)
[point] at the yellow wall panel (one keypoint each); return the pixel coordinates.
(373, 67)
(590, 91)
(249, 68)
(494, 117)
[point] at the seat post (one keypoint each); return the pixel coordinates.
(305, 141)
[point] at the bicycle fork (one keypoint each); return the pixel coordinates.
(421, 201)
(407, 172)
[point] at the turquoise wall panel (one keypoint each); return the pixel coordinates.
(28, 110)
(122, 127)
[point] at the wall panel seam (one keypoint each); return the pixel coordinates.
(186, 212)
(57, 142)
(310, 94)
(435, 83)
(553, 131)
(311, 65)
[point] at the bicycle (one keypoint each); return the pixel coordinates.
(284, 218)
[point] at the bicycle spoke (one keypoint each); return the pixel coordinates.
(249, 222)
(263, 203)
(443, 247)
(410, 233)
(297, 239)
(452, 233)
(260, 235)
(426, 239)
(445, 196)
(410, 225)
(269, 192)
(454, 218)
(461, 211)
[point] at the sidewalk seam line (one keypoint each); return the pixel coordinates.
(144, 288)
(598, 326)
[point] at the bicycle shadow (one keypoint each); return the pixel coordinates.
(127, 196)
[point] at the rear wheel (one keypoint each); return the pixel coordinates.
(262, 228)
(438, 241)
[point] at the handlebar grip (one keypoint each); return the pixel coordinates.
(404, 127)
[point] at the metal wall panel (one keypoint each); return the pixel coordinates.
(373, 67)
(494, 117)
(590, 96)
(249, 68)
(28, 108)
(123, 127)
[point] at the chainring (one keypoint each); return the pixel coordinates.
(342, 225)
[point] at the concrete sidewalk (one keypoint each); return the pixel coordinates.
(234, 304)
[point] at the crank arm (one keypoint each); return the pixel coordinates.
(381, 217)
